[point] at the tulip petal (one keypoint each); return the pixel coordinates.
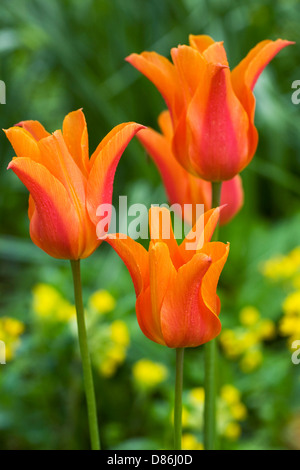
(182, 323)
(76, 138)
(190, 67)
(161, 72)
(218, 252)
(200, 234)
(162, 273)
(250, 68)
(245, 75)
(101, 177)
(200, 42)
(160, 225)
(24, 144)
(54, 225)
(216, 54)
(134, 256)
(219, 128)
(183, 189)
(35, 128)
(232, 199)
(144, 317)
(158, 147)
(165, 124)
(56, 157)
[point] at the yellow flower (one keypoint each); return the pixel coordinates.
(230, 394)
(102, 301)
(116, 353)
(65, 311)
(197, 395)
(10, 331)
(148, 374)
(251, 360)
(49, 303)
(184, 417)
(291, 304)
(249, 316)
(189, 442)
(12, 326)
(108, 367)
(296, 281)
(119, 333)
(250, 339)
(232, 431)
(231, 344)
(238, 411)
(281, 267)
(289, 325)
(266, 329)
(45, 299)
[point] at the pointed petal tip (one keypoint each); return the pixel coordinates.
(223, 206)
(131, 57)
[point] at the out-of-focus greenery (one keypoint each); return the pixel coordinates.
(61, 55)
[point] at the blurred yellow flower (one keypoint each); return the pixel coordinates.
(102, 301)
(119, 333)
(45, 299)
(291, 304)
(11, 326)
(246, 340)
(108, 367)
(266, 329)
(230, 394)
(283, 267)
(184, 417)
(251, 360)
(238, 411)
(111, 343)
(49, 303)
(197, 395)
(190, 442)
(232, 431)
(249, 316)
(10, 331)
(230, 411)
(148, 374)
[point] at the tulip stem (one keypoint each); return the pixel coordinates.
(210, 359)
(178, 399)
(85, 357)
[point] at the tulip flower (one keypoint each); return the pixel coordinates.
(181, 187)
(211, 107)
(177, 305)
(65, 185)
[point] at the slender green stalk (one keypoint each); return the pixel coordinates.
(210, 353)
(85, 357)
(178, 399)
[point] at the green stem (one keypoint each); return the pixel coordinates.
(178, 399)
(210, 358)
(85, 357)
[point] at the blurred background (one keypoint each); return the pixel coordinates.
(61, 55)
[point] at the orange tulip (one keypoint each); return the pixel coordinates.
(177, 305)
(182, 187)
(65, 186)
(212, 109)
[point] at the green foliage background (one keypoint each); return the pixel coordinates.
(60, 55)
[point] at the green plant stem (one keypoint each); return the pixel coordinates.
(210, 359)
(178, 399)
(85, 358)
